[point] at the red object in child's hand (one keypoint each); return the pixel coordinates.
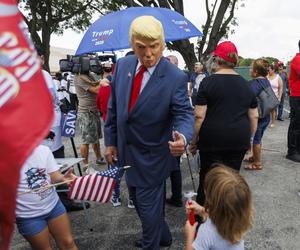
(191, 215)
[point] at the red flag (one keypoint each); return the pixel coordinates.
(97, 187)
(26, 109)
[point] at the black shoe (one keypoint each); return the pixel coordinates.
(139, 243)
(174, 203)
(280, 119)
(76, 206)
(165, 244)
(293, 157)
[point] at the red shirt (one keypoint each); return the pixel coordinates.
(294, 78)
(102, 100)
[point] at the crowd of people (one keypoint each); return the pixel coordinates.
(152, 112)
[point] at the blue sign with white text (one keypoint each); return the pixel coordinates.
(68, 124)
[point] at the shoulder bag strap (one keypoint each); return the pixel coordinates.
(261, 85)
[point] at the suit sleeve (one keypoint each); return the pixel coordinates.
(181, 109)
(110, 127)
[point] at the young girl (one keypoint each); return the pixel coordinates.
(228, 211)
(40, 213)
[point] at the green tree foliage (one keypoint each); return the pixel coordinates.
(220, 17)
(272, 60)
(245, 62)
(45, 17)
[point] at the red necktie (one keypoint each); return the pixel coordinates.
(136, 87)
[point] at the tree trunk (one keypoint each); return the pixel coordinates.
(46, 35)
(219, 27)
(186, 49)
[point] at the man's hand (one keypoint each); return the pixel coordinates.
(111, 155)
(177, 146)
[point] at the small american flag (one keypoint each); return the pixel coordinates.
(96, 187)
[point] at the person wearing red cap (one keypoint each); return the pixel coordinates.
(225, 115)
(294, 128)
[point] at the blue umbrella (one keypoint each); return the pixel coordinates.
(111, 32)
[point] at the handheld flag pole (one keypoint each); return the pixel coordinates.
(45, 187)
(190, 169)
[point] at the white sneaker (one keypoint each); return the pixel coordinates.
(115, 202)
(130, 204)
(90, 170)
(85, 167)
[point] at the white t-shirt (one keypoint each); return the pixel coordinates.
(208, 238)
(35, 174)
(64, 84)
(52, 89)
(275, 84)
(198, 81)
(60, 94)
(72, 88)
(56, 126)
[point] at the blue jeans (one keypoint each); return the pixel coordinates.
(117, 190)
(280, 108)
(261, 127)
(35, 225)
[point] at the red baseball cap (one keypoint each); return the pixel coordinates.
(223, 50)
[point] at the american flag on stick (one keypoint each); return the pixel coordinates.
(96, 187)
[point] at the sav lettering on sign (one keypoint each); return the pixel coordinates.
(69, 124)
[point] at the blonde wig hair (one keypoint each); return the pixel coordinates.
(146, 27)
(228, 202)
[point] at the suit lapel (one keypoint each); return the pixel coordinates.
(129, 81)
(150, 86)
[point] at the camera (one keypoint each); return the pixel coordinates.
(85, 63)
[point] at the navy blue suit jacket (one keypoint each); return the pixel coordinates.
(142, 135)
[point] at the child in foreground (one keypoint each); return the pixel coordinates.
(228, 211)
(39, 211)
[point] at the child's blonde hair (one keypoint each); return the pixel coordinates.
(228, 202)
(146, 27)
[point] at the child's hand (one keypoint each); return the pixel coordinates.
(190, 231)
(199, 210)
(104, 82)
(69, 176)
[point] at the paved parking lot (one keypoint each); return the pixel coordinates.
(275, 192)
